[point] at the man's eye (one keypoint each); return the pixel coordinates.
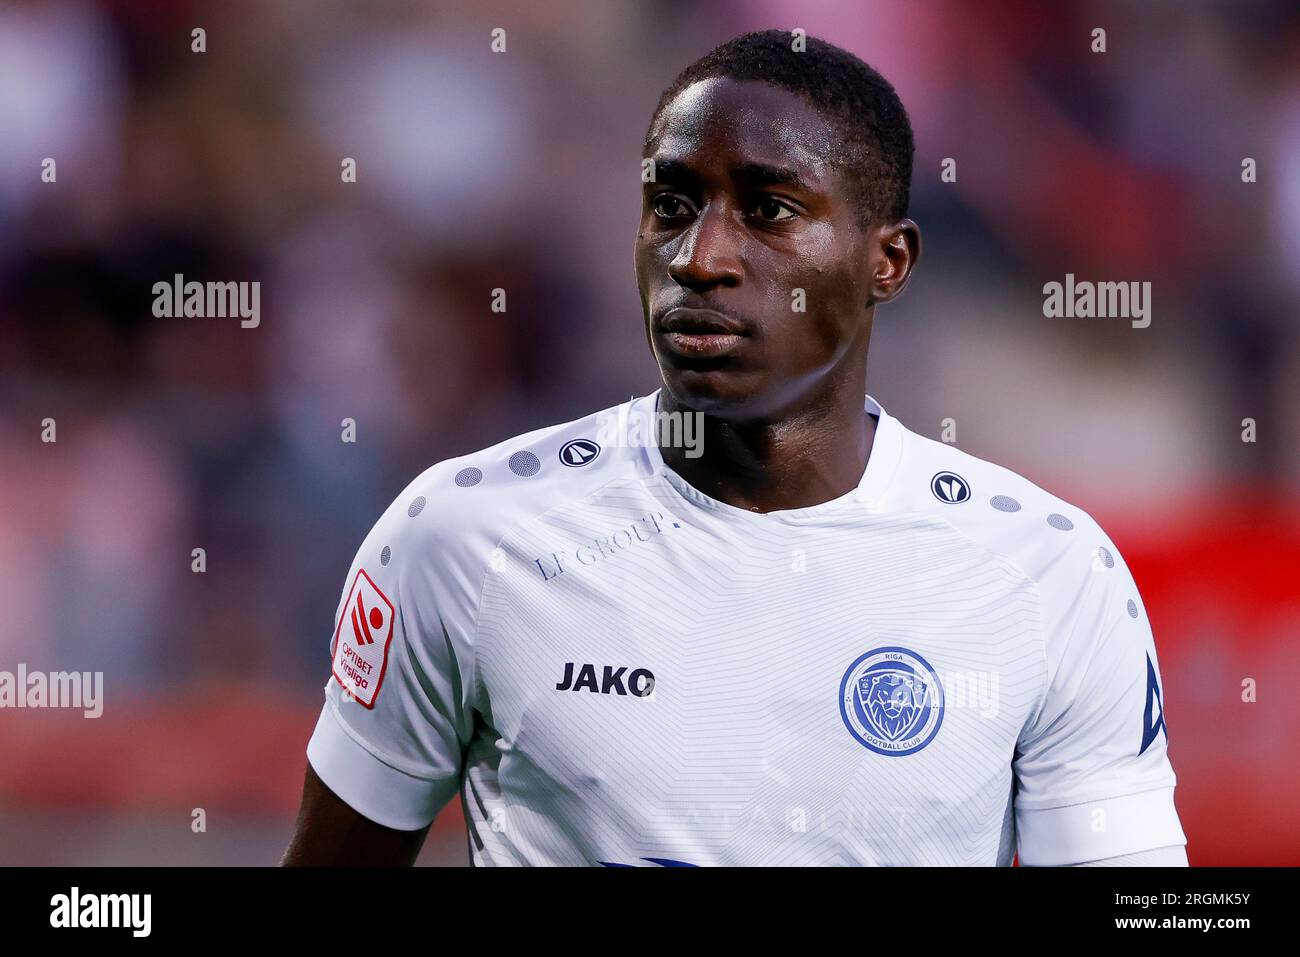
(773, 210)
(667, 206)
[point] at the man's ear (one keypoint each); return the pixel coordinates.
(899, 247)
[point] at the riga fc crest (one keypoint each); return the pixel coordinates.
(891, 700)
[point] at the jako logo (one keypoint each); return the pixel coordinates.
(578, 452)
(950, 488)
(640, 682)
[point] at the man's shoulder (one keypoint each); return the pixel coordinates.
(1051, 541)
(480, 495)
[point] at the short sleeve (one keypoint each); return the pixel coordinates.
(1093, 776)
(390, 739)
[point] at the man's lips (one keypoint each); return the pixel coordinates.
(701, 333)
(692, 321)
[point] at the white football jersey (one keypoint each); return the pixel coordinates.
(943, 666)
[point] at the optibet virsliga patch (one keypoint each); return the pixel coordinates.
(361, 639)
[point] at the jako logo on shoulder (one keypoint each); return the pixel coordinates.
(578, 452)
(950, 488)
(639, 683)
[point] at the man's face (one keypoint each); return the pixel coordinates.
(746, 210)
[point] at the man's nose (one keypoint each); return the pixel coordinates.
(709, 254)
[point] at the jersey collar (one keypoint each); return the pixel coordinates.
(886, 453)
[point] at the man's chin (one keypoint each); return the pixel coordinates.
(718, 392)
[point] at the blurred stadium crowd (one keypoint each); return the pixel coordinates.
(520, 171)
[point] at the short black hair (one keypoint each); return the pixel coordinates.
(877, 135)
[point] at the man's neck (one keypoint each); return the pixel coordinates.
(813, 456)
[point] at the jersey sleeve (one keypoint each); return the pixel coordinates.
(1093, 777)
(390, 739)
(1172, 856)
